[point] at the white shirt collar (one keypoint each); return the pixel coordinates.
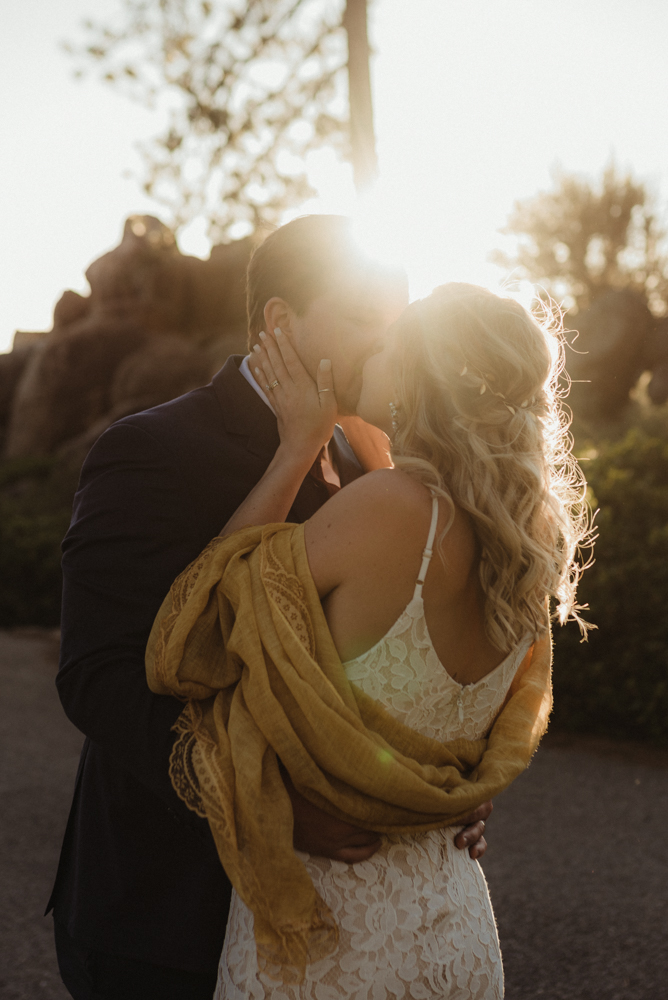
(244, 368)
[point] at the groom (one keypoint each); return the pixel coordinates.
(140, 900)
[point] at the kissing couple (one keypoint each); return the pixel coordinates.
(306, 633)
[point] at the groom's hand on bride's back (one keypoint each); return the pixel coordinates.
(328, 837)
(472, 836)
(318, 833)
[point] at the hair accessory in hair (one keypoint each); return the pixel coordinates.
(395, 417)
(483, 384)
(484, 387)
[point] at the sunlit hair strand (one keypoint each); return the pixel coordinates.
(483, 425)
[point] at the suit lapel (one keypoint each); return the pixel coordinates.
(243, 411)
(245, 415)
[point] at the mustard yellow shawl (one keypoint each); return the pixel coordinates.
(242, 638)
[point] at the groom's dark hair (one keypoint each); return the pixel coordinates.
(297, 263)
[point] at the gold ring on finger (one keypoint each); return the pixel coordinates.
(273, 385)
(324, 390)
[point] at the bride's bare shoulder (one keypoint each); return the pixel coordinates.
(381, 509)
(387, 492)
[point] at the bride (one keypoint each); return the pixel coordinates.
(433, 573)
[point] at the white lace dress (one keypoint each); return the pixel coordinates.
(415, 921)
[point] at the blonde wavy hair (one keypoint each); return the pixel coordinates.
(480, 421)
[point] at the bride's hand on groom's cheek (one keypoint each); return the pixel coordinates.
(306, 410)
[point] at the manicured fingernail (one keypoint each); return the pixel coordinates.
(325, 365)
(257, 371)
(278, 331)
(256, 348)
(263, 335)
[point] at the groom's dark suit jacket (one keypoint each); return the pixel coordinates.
(139, 875)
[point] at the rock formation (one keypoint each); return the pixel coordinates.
(156, 324)
(12, 367)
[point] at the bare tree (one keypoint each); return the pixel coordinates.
(249, 89)
(582, 238)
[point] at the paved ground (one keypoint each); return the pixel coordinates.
(583, 913)
(39, 750)
(578, 867)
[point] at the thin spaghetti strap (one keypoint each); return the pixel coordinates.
(429, 550)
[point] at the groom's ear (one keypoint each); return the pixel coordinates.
(277, 313)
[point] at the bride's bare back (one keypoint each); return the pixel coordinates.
(365, 548)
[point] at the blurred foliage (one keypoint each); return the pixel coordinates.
(616, 684)
(249, 90)
(582, 238)
(35, 510)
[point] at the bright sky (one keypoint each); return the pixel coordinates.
(476, 100)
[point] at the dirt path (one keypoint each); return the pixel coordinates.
(582, 908)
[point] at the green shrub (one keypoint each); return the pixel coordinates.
(35, 509)
(616, 684)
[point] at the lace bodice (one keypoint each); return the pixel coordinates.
(415, 921)
(405, 675)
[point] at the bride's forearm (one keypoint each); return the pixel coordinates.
(269, 502)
